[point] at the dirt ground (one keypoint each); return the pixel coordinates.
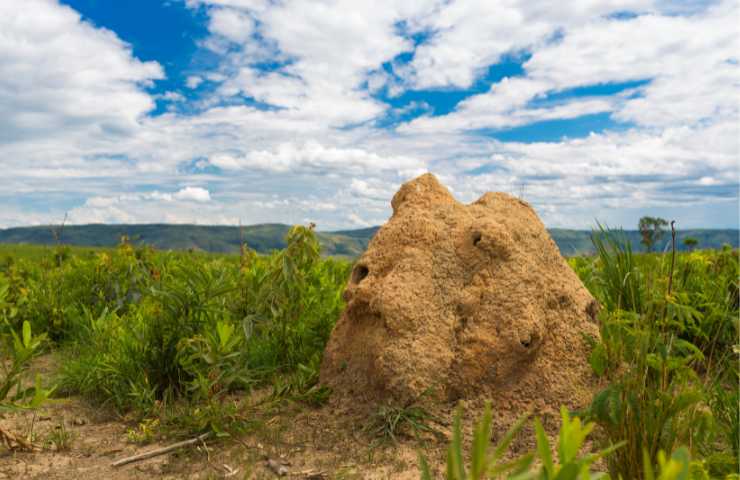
(309, 443)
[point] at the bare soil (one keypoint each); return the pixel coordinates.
(310, 443)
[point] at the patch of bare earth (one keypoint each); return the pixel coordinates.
(81, 441)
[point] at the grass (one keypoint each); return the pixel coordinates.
(389, 422)
(60, 439)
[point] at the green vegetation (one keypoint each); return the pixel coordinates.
(174, 339)
(690, 243)
(411, 419)
(668, 330)
(579, 242)
(174, 334)
(570, 463)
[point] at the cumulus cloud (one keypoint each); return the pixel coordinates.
(195, 194)
(315, 157)
(468, 36)
(150, 207)
(671, 52)
(232, 24)
(60, 76)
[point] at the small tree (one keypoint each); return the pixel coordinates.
(690, 243)
(651, 229)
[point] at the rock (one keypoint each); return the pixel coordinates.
(473, 301)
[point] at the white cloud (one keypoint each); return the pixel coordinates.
(691, 63)
(151, 207)
(60, 76)
(172, 96)
(193, 81)
(468, 36)
(314, 157)
(195, 194)
(232, 24)
(327, 55)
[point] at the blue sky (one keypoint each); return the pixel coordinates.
(227, 111)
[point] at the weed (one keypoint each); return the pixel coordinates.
(15, 357)
(391, 421)
(485, 462)
(144, 432)
(60, 439)
(488, 462)
(303, 385)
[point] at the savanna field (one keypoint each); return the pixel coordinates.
(111, 352)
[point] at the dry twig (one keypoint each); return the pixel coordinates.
(160, 451)
(16, 443)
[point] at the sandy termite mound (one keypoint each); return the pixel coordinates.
(474, 301)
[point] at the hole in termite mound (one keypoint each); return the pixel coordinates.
(359, 273)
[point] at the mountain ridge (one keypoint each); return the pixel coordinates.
(270, 236)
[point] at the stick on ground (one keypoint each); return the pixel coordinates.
(16, 442)
(160, 451)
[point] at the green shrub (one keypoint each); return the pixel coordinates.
(202, 327)
(664, 336)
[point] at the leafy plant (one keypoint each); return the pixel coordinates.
(16, 356)
(485, 462)
(216, 361)
(144, 432)
(488, 463)
(303, 384)
(656, 400)
(200, 328)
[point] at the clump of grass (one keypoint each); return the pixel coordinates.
(621, 283)
(390, 421)
(60, 439)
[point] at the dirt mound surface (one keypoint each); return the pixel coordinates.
(473, 301)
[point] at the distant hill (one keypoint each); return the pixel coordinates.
(267, 237)
(577, 242)
(223, 239)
